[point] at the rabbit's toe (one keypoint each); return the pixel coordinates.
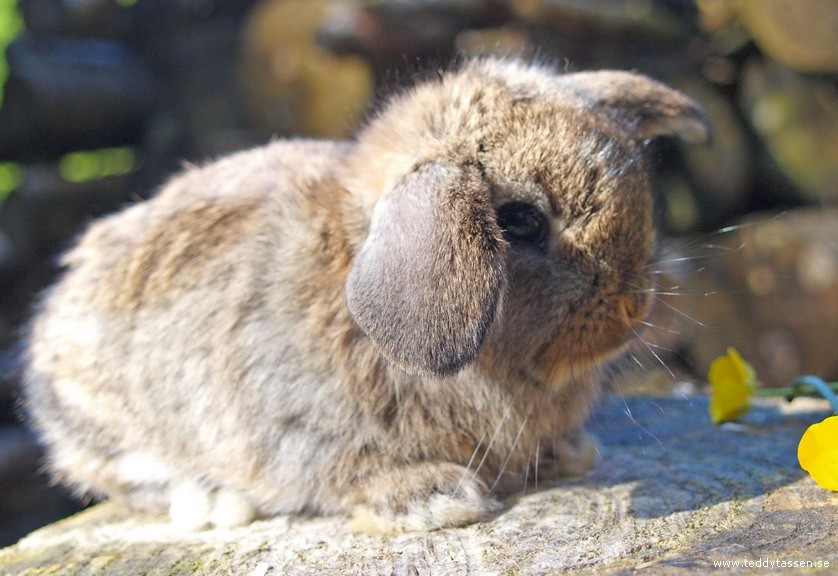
(231, 509)
(429, 497)
(190, 506)
(195, 507)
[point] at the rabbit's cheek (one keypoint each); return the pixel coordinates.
(591, 333)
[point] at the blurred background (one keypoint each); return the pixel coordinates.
(103, 99)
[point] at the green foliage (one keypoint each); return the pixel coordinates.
(11, 24)
(95, 164)
(11, 175)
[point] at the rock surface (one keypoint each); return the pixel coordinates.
(796, 118)
(671, 494)
(769, 287)
(295, 86)
(799, 33)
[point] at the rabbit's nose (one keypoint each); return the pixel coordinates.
(635, 307)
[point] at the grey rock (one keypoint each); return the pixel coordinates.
(671, 494)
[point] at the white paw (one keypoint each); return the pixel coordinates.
(190, 506)
(466, 506)
(231, 509)
(446, 511)
(194, 507)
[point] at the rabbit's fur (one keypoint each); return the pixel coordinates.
(328, 327)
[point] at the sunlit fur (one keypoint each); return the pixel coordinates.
(342, 327)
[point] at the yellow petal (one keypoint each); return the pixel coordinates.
(818, 452)
(731, 385)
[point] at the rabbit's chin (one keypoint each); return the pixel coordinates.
(557, 368)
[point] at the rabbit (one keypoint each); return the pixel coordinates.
(403, 328)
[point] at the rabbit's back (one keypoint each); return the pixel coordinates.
(169, 337)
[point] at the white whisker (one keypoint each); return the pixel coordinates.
(491, 443)
(684, 314)
(652, 351)
(637, 361)
(509, 454)
(637, 424)
(527, 473)
(471, 461)
(727, 251)
(652, 326)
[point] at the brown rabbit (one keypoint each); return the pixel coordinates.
(402, 326)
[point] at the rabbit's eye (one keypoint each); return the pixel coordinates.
(522, 222)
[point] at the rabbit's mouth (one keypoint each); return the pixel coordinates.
(592, 336)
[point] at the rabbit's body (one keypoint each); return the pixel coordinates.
(326, 327)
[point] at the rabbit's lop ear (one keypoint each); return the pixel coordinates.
(648, 108)
(428, 280)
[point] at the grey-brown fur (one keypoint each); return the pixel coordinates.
(335, 327)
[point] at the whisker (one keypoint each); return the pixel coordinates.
(652, 326)
(652, 352)
(721, 232)
(681, 313)
(491, 443)
(658, 290)
(742, 225)
(527, 472)
(679, 292)
(637, 361)
(658, 346)
(640, 428)
(471, 461)
(726, 251)
(509, 454)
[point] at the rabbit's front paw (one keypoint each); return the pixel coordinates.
(421, 497)
(573, 454)
(195, 507)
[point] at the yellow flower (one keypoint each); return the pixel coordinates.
(818, 453)
(732, 382)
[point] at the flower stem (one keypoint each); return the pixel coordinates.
(804, 386)
(818, 384)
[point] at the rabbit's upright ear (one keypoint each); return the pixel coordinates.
(646, 107)
(428, 280)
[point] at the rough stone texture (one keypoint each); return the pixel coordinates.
(769, 287)
(670, 495)
(799, 33)
(720, 174)
(796, 118)
(295, 86)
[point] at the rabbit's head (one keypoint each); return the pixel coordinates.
(510, 214)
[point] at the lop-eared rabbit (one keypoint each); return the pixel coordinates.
(401, 327)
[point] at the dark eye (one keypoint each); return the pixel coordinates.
(522, 222)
